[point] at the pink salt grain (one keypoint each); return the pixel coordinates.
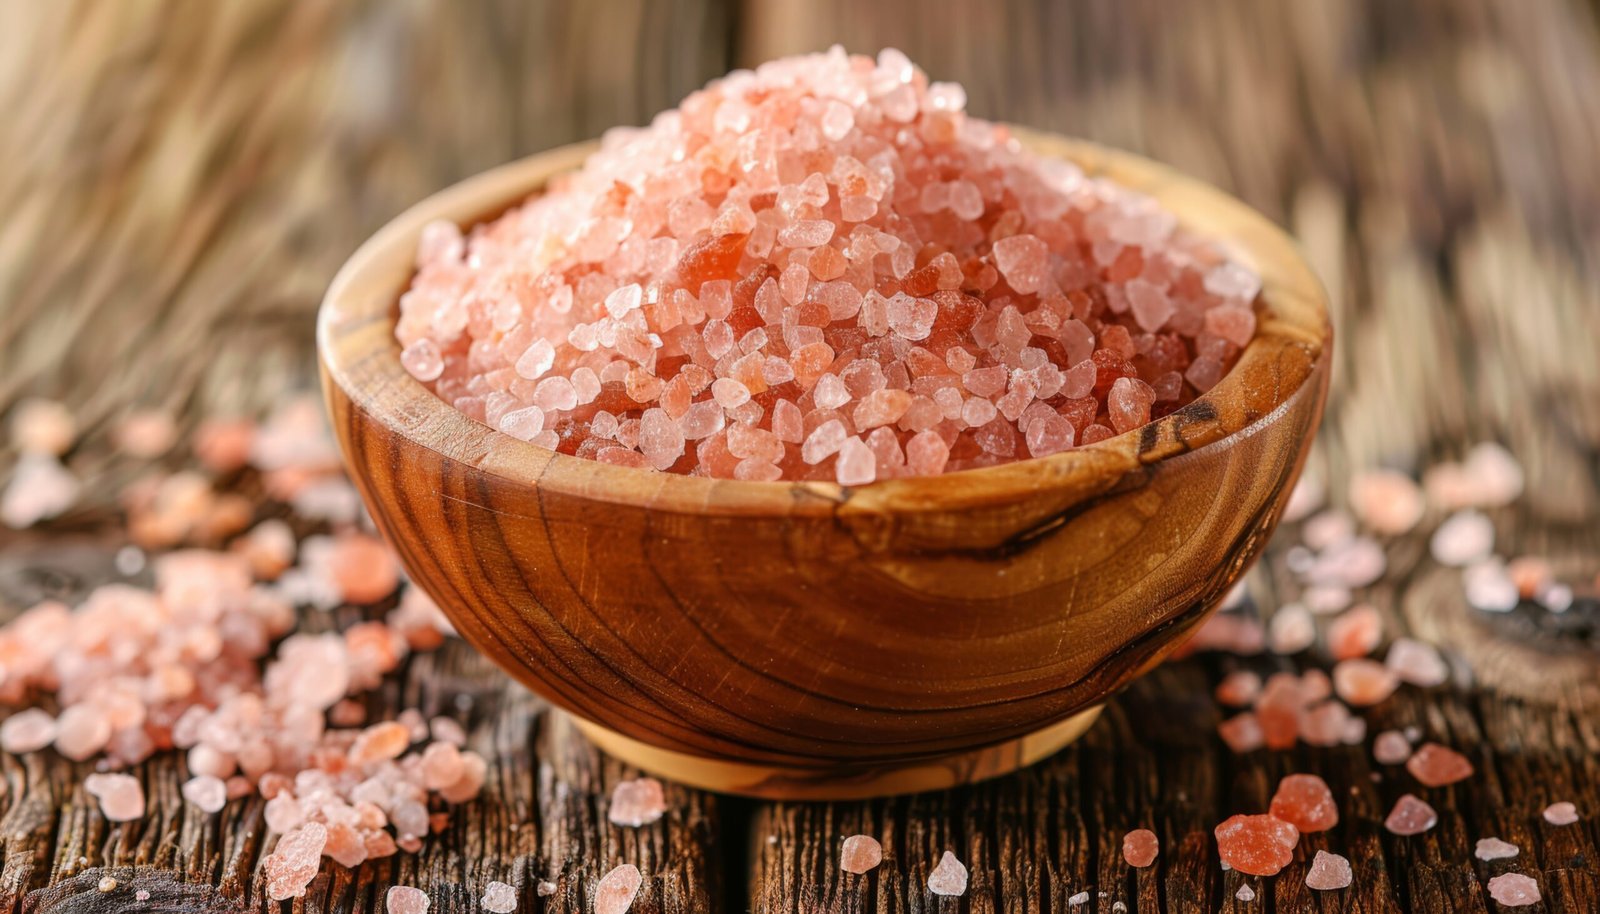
(1329, 872)
(636, 802)
(1242, 733)
(207, 793)
(1355, 633)
(617, 889)
(294, 862)
(1304, 801)
(1417, 662)
(860, 854)
(499, 898)
(1495, 849)
(1387, 501)
(1391, 748)
(1239, 688)
(1258, 845)
(1363, 682)
(1410, 816)
(28, 730)
(1140, 847)
(1514, 890)
(1434, 765)
(949, 877)
(1562, 813)
(404, 899)
(1245, 894)
(121, 796)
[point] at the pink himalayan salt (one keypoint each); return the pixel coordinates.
(363, 568)
(1514, 890)
(404, 899)
(860, 853)
(545, 888)
(1242, 733)
(636, 802)
(294, 862)
(1279, 710)
(40, 488)
(81, 731)
(1410, 816)
(1462, 539)
(142, 895)
(1387, 501)
(1239, 688)
(121, 796)
(1328, 530)
(1363, 682)
(1081, 898)
(1306, 497)
(28, 730)
(704, 262)
(207, 793)
(499, 898)
(1487, 586)
(1245, 894)
(1304, 801)
(1329, 723)
(380, 742)
(1355, 562)
(223, 445)
(1291, 629)
(1495, 849)
(617, 889)
(1329, 872)
(1391, 748)
(1562, 813)
(1140, 847)
(1258, 845)
(1417, 662)
(1355, 633)
(145, 434)
(949, 877)
(42, 427)
(1434, 765)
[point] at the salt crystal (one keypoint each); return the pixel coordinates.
(1410, 816)
(40, 488)
(636, 802)
(28, 730)
(1291, 629)
(1077, 900)
(1417, 663)
(1489, 587)
(1245, 894)
(1259, 845)
(1140, 847)
(403, 899)
(1514, 890)
(1462, 539)
(1495, 474)
(545, 888)
(141, 895)
(1239, 688)
(207, 793)
(81, 731)
(1362, 682)
(294, 862)
(856, 465)
(121, 796)
(1391, 748)
(42, 427)
(1355, 633)
(1495, 849)
(1329, 872)
(1387, 501)
(1304, 801)
(1242, 733)
(1562, 813)
(499, 898)
(949, 877)
(616, 890)
(106, 884)
(386, 740)
(860, 853)
(1434, 765)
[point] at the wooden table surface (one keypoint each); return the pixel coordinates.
(191, 174)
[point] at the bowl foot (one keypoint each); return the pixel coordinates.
(843, 782)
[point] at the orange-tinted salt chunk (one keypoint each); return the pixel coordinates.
(1435, 765)
(1140, 847)
(1304, 801)
(1258, 845)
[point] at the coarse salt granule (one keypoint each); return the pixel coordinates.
(826, 242)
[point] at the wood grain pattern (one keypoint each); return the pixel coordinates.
(794, 625)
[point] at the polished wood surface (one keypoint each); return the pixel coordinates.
(805, 625)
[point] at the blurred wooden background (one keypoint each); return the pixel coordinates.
(181, 178)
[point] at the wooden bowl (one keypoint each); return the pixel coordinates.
(800, 639)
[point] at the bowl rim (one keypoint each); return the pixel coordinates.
(358, 354)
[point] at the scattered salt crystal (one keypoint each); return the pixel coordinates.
(1388, 502)
(860, 853)
(1355, 633)
(1081, 898)
(1434, 765)
(1496, 476)
(81, 731)
(1417, 662)
(207, 793)
(1562, 813)
(1514, 890)
(1329, 872)
(1242, 733)
(40, 489)
(141, 895)
(499, 898)
(1489, 587)
(1391, 748)
(1495, 849)
(403, 899)
(1462, 539)
(28, 730)
(121, 796)
(636, 802)
(1239, 688)
(949, 877)
(1245, 894)
(294, 862)
(1140, 847)
(1304, 801)
(106, 884)
(616, 890)
(42, 427)
(1363, 682)
(1259, 845)
(1291, 629)
(545, 888)
(1410, 816)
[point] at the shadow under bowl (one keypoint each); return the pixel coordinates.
(802, 639)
